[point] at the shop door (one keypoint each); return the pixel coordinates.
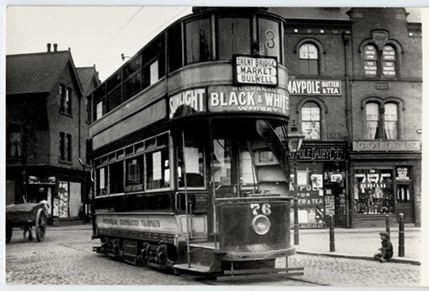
(335, 204)
(404, 202)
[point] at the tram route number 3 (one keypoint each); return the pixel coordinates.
(265, 209)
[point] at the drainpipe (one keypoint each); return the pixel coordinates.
(349, 127)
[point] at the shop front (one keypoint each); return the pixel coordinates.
(318, 181)
(385, 184)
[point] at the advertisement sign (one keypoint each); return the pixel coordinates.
(314, 87)
(187, 102)
(248, 99)
(42, 181)
(386, 145)
(258, 71)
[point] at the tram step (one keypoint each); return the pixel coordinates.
(264, 274)
(193, 268)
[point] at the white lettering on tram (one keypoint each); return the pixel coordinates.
(192, 98)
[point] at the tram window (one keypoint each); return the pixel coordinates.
(157, 169)
(222, 162)
(132, 86)
(198, 41)
(99, 110)
(131, 67)
(101, 181)
(191, 160)
(175, 48)
(116, 177)
(154, 62)
(113, 99)
(247, 171)
(234, 37)
(269, 38)
(134, 168)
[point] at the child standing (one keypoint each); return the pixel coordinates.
(386, 250)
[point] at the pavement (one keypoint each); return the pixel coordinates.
(360, 243)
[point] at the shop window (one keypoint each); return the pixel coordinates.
(373, 192)
(198, 41)
(310, 120)
(15, 148)
(308, 59)
(381, 120)
(65, 99)
(269, 38)
(233, 37)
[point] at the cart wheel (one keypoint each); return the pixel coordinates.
(41, 225)
(8, 232)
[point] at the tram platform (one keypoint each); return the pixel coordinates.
(360, 243)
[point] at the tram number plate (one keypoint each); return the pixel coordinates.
(264, 209)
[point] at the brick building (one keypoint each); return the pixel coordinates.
(47, 130)
(355, 83)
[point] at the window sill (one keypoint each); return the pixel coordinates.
(65, 162)
(66, 114)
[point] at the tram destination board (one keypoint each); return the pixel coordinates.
(255, 70)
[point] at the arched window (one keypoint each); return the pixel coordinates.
(309, 59)
(372, 120)
(370, 61)
(389, 61)
(310, 120)
(391, 120)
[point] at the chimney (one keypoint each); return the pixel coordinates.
(49, 47)
(55, 47)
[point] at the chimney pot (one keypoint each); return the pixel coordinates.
(49, 47)
(55, 47)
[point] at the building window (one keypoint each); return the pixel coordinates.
(389, 61)
(15, 145)
(309, 59)
(381, 121)
(65, 99)
(374, 192)
(65, 147)
(380, 62)
(370, 61)
(310, 120)
(372, 120)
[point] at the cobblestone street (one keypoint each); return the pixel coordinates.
(66, 258)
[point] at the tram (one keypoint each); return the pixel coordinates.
(188, 138)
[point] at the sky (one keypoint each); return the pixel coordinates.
(98, 35)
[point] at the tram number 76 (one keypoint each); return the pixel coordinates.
(265, 209)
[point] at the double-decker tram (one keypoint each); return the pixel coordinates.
(188, 143)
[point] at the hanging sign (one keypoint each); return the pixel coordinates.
(258, 71)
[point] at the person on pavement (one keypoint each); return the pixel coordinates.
(386, 250)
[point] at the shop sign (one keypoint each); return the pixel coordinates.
(386, 145)
(321, 154)
(258, 71)
(188, 101)
(314, 87)
(51, 180)
(248, 99)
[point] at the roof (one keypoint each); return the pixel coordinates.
(35, 73)
(86, 75)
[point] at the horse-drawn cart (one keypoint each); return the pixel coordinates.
(26, 215)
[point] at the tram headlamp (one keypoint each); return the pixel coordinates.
(261, 224)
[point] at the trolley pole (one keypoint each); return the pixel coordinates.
(401, 251)
(295, 221)
(331, 234)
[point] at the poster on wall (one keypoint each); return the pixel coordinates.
(302, 178)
